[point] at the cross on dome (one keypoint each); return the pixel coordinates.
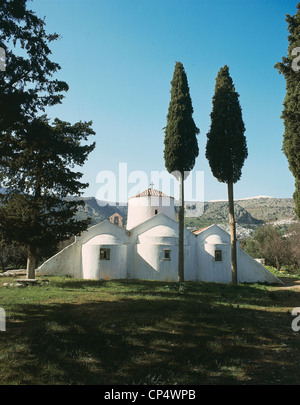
(152, 192)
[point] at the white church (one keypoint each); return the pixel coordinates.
(147, 249)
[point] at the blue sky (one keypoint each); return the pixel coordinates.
(118, 57)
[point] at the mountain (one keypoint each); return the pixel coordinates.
(249, 212)
(217, 212)
(99, 210)
(270, 209)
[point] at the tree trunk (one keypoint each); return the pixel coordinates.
(31, 262)
(278, 263)
(232, 233)
(181, 230)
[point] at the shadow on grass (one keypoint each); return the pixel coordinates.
(243, 293)
(188, 339)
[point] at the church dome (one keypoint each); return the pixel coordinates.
(147, 204)
(151, 192)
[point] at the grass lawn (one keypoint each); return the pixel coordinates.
(145, 332)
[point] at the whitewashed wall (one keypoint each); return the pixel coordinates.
(139, 253)
(250, 271)
(142, 208)
(70, 260)
(95, 268)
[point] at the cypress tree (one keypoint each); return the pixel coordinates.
(226, 148)
(290, 68)
(296, 197)
(181, 145)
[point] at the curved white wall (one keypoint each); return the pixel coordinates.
(149, 263)
(140, 254)
(94, 268)
(142, 208)
(219, 272)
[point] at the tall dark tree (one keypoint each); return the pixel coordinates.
(36, 210)
(36, 158)
(27, 85)
(296, 196)
(290, 68)
(181, 145)
(226, 148)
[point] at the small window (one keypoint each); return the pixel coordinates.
(167, 254)
(218, 255)
(116, 220)
(104, 254)
(156, 212)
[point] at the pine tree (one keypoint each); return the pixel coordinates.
(36, 211)
(181, 145)
(26, 85)
(226, 148)
(36, 158)
(290, 68)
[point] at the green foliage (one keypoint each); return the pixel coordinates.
(252, 247)
(12, 255)
(291, 111)
(181, 146)
(296, 197)
(26, 86)
(36, 158)
(226, 148)
(38, 177)
(268, 243)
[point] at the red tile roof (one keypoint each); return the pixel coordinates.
(152, 192)
(197, 231)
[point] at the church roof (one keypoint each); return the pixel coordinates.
(152, 192)
(197, 231)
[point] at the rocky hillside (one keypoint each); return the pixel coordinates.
(269, 209)
(249, 213)
(217, 212)
(99, 211)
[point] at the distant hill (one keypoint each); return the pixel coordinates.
(217, 212)
(269, 209)
(249, 213)
(99, 211)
